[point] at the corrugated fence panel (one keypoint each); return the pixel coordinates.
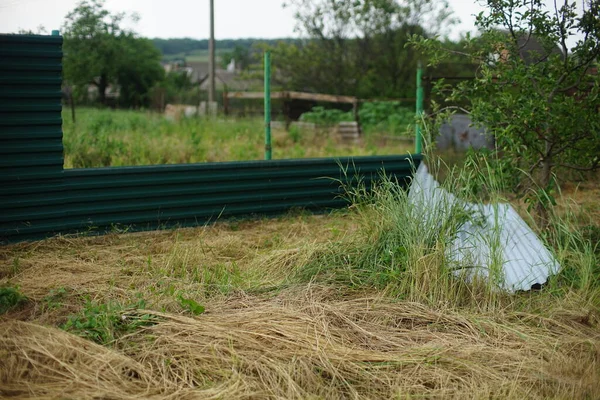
(38, 198)
(30, 108)
(31, 149)
(165, 195)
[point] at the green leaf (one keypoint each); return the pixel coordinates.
(191, 305)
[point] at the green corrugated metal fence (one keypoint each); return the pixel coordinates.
(154, 196)
(30, 106)
(38, 198)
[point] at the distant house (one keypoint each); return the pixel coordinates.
(531, 49)
(224, 78)
(197, 71)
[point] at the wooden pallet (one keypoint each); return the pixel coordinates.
(349, 132)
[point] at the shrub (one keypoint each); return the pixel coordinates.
(384, 116)
(321, 115)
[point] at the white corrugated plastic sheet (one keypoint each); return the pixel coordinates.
(495, 235)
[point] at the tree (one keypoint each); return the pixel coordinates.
(138, 71)
(241, 56)
(91, 46)
(98, 51)
(357, 47)
(179, 88)
(534, 92)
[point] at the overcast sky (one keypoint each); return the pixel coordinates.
(186, 18)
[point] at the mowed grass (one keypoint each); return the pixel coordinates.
(102, 138)
(354, 304)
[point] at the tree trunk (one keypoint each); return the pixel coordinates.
(102, 86)
(543, 203)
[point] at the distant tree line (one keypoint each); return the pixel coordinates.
(186, 45)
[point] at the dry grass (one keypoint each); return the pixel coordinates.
(310, 343)
(263, 336)
(583, 197)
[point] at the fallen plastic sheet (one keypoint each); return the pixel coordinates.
(494, 238)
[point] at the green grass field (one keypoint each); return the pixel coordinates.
(102, 138)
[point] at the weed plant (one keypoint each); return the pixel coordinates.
(103, 323)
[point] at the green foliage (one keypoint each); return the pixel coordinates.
(577, 248)
(592, 233)
(323, 116)
(10, 297)
(401, 247)
(295, 133)
(55, 298)
(383, 116)
(387, 116)
(191, 305)
(356, 47)
(179, 89)
(394, 238)
(175, 46)
(532, 91)
(240, 54)
(103, 323)
(185, 47)
(119, 138)
(178, 81)
(99, 52)
(500, 171)
(139, 71)
(91, 45)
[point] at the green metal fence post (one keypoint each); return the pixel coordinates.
(268, 105)
(419, 110)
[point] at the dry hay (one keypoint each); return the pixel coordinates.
(314, 342)
(118, 262)
(301, 342)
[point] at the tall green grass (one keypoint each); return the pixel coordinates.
(101, 138)
(400, 247)
(119, 138)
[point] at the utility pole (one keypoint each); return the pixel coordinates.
(268, 148)
(211, 56)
